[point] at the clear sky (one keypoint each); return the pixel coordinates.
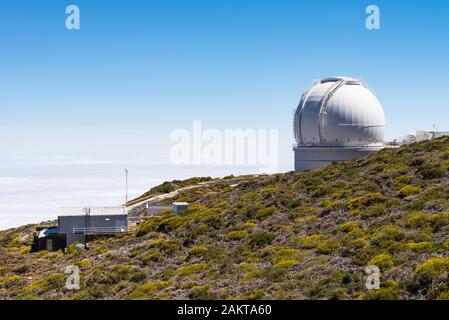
(136, 70)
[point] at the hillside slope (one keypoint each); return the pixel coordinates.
(303, 235)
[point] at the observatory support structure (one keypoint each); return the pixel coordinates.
(312, 157)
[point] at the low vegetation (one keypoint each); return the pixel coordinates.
(306, 235)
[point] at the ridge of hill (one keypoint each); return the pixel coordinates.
(306, 235)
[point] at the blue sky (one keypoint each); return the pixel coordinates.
(136, 70)
(228, 63)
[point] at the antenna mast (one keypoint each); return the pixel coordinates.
(126, 186)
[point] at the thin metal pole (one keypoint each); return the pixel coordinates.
(126, 195)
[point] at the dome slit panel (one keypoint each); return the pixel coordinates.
(348, 118)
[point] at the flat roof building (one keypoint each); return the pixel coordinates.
(83, 223)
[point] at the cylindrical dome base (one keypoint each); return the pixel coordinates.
(317, 157)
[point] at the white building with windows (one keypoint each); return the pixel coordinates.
(422, 135)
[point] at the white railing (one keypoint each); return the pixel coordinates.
(99, 230)
(92, 211)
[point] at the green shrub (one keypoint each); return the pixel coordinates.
(327, 247)
(388, 232)
(254, 294)
(310, 242)
(389, 290)
(260, 239)
(276, 273)
(134, 252)
(222, 205)
(322, 190)
(375, 210)
(251, 196)
(420, 246)
(287, 263)
(349, 226)
(9, 241)
(309, 219)
(430, 173)
(366, 200)
(358, 243)
(279, 253)
(10, 282)
(438, 220)
(151, 257)
(408, 190)
(84, 263)
(308, 211)
(192, 269)
(162, 223)
(170, 224)
(420, 220)
(383, 261)
(166, 246)
(197, 251)
(148, 225)
(401, 180)
(237, 235)
(55, 281)
(265, 212)
(416, 162)
(200, 229)
(214, 253)
(206, 215)
(329, 206)
(148, 289)
(165, 187)
(195, 209)
(249, 225)
(201, 293)
(71, 249)
(4, 271)
(23, 268)
(416, 220)
(127, 273)
(39, 287)
(432, 268)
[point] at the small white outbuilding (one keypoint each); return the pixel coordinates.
(179, 207)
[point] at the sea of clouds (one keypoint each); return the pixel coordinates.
(32, 189)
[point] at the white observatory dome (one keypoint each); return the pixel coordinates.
(339, 111)
(338, 118)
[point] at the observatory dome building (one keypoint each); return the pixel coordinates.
(337, 119)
